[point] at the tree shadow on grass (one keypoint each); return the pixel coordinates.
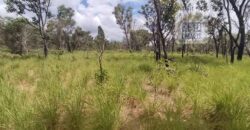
(202, 59)
(9, 56)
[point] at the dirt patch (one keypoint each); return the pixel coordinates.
(157, 102)
(134, 110)
(26, 87)
(158, 98)
(131, 112)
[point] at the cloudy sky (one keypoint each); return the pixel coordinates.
(91, 13)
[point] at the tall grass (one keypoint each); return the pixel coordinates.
(61, 93)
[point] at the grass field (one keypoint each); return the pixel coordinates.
(60, 93)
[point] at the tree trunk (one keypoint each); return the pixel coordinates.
(224, 49)
(217, 52)
(248, 51)
(45, 47)
(183, 50)
(60, 38)
(127, 39)
(67, 40)
(24, 48)
(242, 40)
(165, 52)
(173, 45)
(232, 55)
(232, 50)
(216, 46)
(69, 46)
(158, 44)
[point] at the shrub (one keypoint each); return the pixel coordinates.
(101, 77)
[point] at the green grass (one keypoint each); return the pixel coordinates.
(61, 93)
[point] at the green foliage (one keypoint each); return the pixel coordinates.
(16, 35)
(82, 39)
(139, 39)
(124, 18)
(101, 77)
(100, 40)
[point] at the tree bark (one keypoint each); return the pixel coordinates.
(45, 47)
(158, 43)
(248, 51)
(173, 45)
(242, 39)
(183, 50)
(127, 39)
(217, 47)
(232, 54)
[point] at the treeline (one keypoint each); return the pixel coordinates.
(227, 34)
(59, 32)
(21, 38)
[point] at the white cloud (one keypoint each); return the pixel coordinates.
(98, 12)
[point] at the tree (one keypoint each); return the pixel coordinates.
(139, 39)
(100, 41)
(64, 26)
(224, 10)
(40, 9)
(240, 7)
(216, 31)
(124, 18)
(166, 11)
(81, 39)
(150, 15)
(1, 30)
(16, 33)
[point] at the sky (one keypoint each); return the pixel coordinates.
(89, 14)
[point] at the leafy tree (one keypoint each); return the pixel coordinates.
(216, 31)
(224, 10)
(124, 18)
(139, 39)
(16, 33)
(164, 13)
(40, 9)
(65, 26)
(150, 15)
(81, 39)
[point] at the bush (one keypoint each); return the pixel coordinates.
(101, 77)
